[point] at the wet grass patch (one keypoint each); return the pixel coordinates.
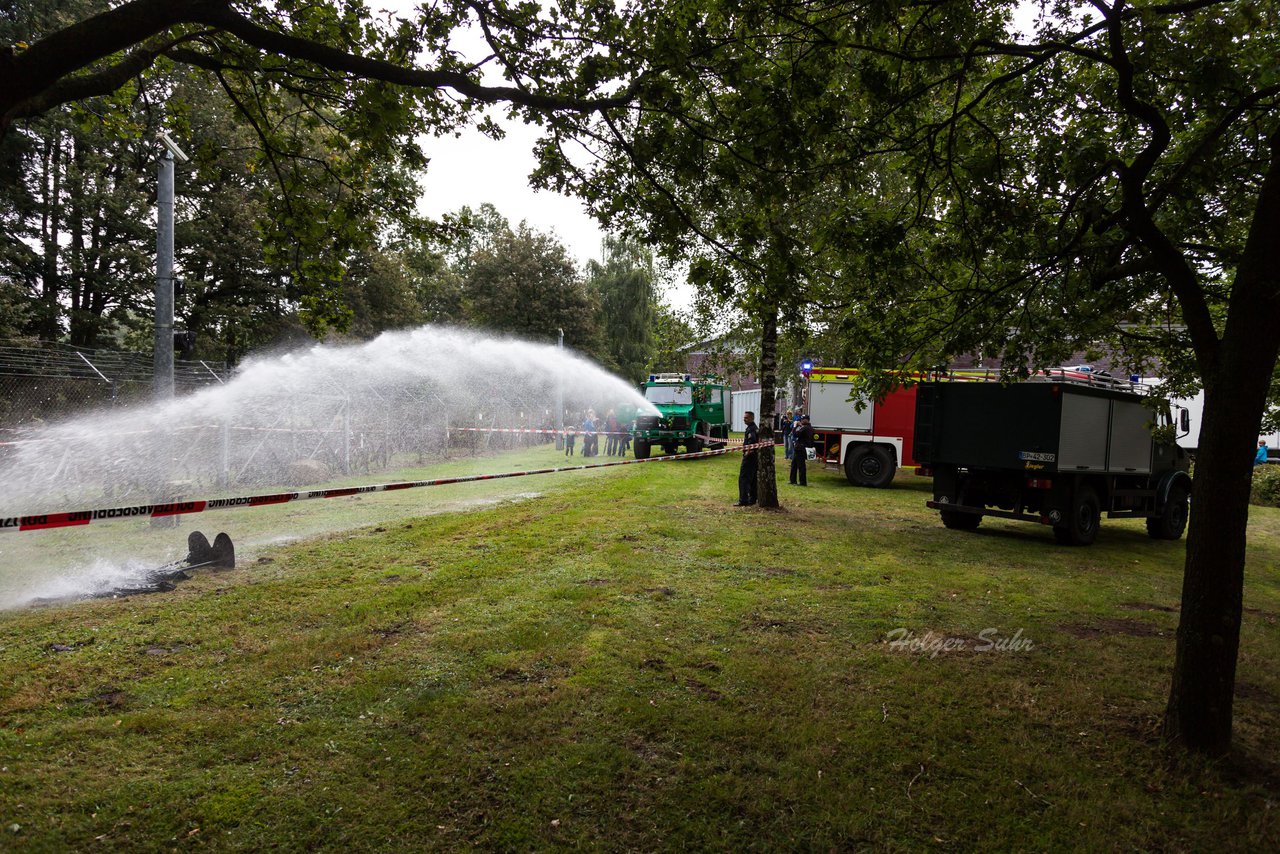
(625, 661)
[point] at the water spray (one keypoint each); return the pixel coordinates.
(280, 425)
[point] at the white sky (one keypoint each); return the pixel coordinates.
(472, 169)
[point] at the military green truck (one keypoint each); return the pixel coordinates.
(1059, 449)
(688, 409)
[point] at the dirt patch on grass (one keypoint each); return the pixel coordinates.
(539, 673)
(1268, 616)
(766, 623)
(1149, 606)
(109, 697)
(703, 690)
(1113, 626)
(1254, 693)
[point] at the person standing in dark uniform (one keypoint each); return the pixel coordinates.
(747, 474)
(800, 453)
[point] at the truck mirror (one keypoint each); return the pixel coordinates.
(1184, 421)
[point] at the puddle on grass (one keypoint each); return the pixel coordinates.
(120, 557)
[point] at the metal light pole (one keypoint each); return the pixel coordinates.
(164, 269)
(164, 280)
(560, 401)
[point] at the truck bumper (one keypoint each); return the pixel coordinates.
(986, 511)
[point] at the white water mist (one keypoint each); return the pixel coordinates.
(309, 416)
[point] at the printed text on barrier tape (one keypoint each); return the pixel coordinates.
(177, 508)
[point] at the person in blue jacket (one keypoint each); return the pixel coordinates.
(1260, 457)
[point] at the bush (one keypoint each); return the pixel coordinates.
(1266, 486)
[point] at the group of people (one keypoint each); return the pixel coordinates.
(797, 438)
(617, 436)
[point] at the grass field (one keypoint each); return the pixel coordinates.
(622, 660)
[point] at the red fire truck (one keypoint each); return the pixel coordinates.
(869, 444)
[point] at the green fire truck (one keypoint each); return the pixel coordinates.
(688, 409)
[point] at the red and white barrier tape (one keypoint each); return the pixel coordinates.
(729, 443)
(240, 428)
(550, 432)
(181, 508)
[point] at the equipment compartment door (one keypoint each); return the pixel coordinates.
(830, 407)
(1130, 437)
(1083, 433)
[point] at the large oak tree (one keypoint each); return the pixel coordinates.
(1111, 178)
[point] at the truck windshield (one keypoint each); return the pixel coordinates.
(668, 394)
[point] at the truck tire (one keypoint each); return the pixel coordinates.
(694, 444)
(1080, 528)
(954, 491)
(642, 449)
(870, 465)
(1172, 520)
(958, 520)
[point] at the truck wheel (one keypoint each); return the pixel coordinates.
(642, 449)
(694, 445)
(1172, 520)
(955, 490)
(870, 465)
(1080, 528)
(958, 520)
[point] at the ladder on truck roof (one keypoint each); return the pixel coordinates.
(1082, 375)
(683, 378)
(1077, 376)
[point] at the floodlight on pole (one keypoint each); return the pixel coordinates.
(177, 152)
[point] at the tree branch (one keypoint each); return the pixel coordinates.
(44, 75)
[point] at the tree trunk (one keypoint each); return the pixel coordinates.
(1237, 376)
(1200, 700)
(767, 481)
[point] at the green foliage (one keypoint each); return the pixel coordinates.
(1266, 486)
(526, 284)
(673, 336)
(624, 281)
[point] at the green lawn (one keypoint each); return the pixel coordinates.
(619, 659)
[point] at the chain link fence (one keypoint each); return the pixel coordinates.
(76, 426)
(40, 385)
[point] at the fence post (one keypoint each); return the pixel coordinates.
(224, 479)
(346, 435)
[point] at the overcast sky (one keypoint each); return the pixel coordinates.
(473, 169)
